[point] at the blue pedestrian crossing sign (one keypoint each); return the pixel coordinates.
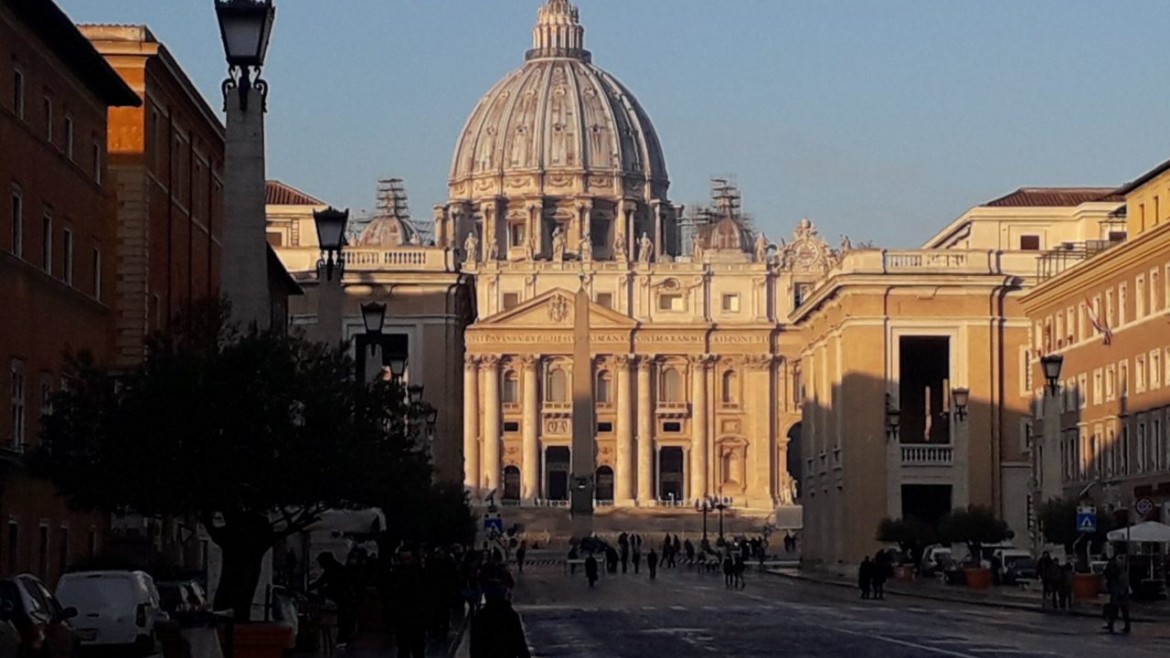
(1086, 519)
(493, 523)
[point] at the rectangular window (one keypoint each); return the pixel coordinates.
(67, 256)
(1110, 317)
(18, 93)
(731, 303)
(17, 223)
(1155, 290)
(1156, 442)
(1122, 302)
(1123, 379)
(1110, 383)
(69, 136)
(1139, 297)
(1117, 236)
(1082, 390)
(1139, 373)
(97, 162)
(511, 300)
(1029, 243)
(1098, 386)
(17, 398)
(1155, 369)
(48, 112)
(605, 299)
(511, 427)
(275, 238)
(517, 234)
(1143, 446)
(97, 274)
(1166, 288)
(46, 394)
(1070, 316)
(670, 302)
(47, 242)
(604, 428)
(672, 427)
(1123, 466)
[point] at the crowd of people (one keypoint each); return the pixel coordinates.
(730, 556)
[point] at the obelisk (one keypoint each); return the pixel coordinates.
(584, 457)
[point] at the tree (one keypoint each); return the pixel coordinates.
(437, 515)
(911, 534)
(253, 434)
(1058, 523)
(975, 526)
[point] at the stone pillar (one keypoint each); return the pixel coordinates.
(530, 426)
(645, 433)
(244, 266)
(490, 368)
(758, 394)
(699, 447)
(624, 475)
(471, 423)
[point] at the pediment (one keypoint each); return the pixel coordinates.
(557, 308)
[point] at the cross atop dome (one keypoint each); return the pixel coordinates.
(558, 32)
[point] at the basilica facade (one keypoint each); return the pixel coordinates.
(559, 182)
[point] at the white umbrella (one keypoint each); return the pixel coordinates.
(1150, 531)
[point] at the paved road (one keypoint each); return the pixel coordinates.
(685, 614)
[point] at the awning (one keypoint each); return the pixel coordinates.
(1150, 531)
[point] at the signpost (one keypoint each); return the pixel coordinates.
(1144, 507)
(1086, 520)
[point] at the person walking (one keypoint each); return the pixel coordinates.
(591, 569)
(1043, 567)
(637, 557)
(740, 569)
(521, 553)
(496, 631)
(1064, 595)
(624, 545)
(1117, 582)
(865, 577)
(728, 571)
(881, 569)
(652, 563)
(689, 549)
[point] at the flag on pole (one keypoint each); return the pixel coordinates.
(1101, 327)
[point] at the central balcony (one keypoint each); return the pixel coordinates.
(927, 454)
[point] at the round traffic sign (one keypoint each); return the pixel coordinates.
(1144, 506)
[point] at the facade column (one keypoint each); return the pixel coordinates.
(645, 434)
(624, 476)
(699, 447)
(490, 368)
(471, 423)
(530, 449)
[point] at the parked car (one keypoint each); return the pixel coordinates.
(39, 618)
(1013, 564)
(179, 597)
(935, 559)
(117, 610)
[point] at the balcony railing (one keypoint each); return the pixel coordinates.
(1055, 261)
(927, 455)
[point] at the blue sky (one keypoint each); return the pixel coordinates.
(883, 120)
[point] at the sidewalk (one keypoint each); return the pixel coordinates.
(1001, 597)
(379, 644)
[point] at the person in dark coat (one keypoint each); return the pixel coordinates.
(1043, 567)
(881, 571)
(637, 558)
(689, 549)
(496, 631)
(1117, 582)
(591, 569)
(865, 577)
(409, 586)
(611, 560)
(652, 563)
(520, 555)
(728, 571)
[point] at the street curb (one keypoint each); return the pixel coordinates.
(1015, 605)
(453, 650)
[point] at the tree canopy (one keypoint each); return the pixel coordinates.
(974, 526)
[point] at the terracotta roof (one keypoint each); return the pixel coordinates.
(280, 194)
(1055, 196)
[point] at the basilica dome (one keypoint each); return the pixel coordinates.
(559, 114)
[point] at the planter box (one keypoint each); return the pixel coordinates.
(978, 578)
(904, 574)
(260, 640)
(1086, 586)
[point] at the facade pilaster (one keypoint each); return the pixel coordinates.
(471, 422)
(490, 369)
(699, 442)
(624, 476)
(530, 447)
(645, 433)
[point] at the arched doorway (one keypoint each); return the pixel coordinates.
(671, 474)
(511, 483)
(604, 491)
(794, 461)
(556, 465)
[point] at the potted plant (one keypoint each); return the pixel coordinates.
(253, 434)
(976, 527)
(911, 535)
(1058, 523)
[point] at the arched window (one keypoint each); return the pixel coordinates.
(511, 392)
(730, 388)
(672, 385)
(604, 387)
(558, 386)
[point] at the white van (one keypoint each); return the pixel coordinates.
(115, 609)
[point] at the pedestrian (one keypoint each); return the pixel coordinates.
(611, 560)
(625, 556)
(881, 568)
(865, 577)
(573, 555)
(637, 557)
(1064, 596)
(1117, 582)
(591, 569)
(740, 568)
(521, 553)
(409, 587)
(652, 563)
(1043, 566)
(496, 631)
(728, 571)
(689, 548)
(1054, 573)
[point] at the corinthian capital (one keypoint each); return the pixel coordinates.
(471, 361)
(530, 361)
(623, 361)
(490, 361)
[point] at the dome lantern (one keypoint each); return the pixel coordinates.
(558, 33)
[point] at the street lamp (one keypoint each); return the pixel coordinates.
(394, 355)
(1052, 364)
(331, 224)
(245, 27)
(374, 318)
(708, 503)
(892, 418)
(961, 397)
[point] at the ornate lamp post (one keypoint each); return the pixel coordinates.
(706, 505)
(245, 26)
(331, 224)
(961, 397)
(1052, 365)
